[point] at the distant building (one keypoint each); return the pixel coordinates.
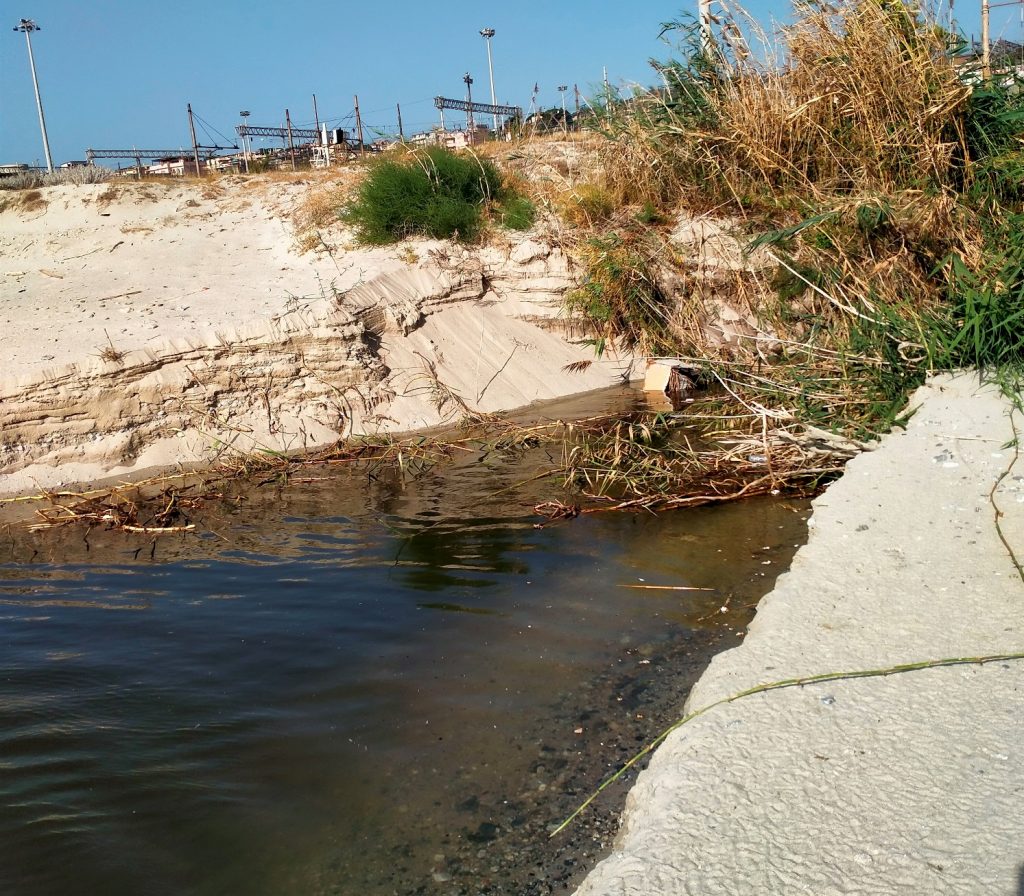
(173, 166)
(451, 139)
(1005, 57)
(12, 170)
(223, 163)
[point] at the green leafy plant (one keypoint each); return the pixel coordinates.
(433, 192)
(987, 305)
(620, 296)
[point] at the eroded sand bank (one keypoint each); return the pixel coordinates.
(147, 325)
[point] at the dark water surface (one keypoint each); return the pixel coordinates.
(351, 686)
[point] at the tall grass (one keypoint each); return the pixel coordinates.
(884, 178)
(856, 96)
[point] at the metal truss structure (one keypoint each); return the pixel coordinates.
(252, 130)
(139, 154)
(443, 102)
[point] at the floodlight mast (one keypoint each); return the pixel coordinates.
(487, 34)
(28, 26)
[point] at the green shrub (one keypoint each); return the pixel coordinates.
(435, 193)
(518, 213)
(620, 296)
(988, 305)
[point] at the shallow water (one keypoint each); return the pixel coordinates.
(359, 685)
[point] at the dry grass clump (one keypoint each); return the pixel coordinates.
(123, 509)
(320, 205)
(319, 209)
(87, 174)
(108, 195)
(642, 165)
(32, 201)
(889, 182)
(586, 205)
(855, 97)
(109, 352)
(867, 100)
(651, 462)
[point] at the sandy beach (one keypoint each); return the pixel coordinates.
(153, 324)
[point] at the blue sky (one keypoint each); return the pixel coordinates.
(119, 75)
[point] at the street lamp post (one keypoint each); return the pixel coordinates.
(28, 26)
(244, 114)
(562, 88)
(487, 34)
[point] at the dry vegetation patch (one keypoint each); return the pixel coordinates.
(31, 201)
(882, 183)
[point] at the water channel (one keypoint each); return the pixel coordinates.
(358, 685)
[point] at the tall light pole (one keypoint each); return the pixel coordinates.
(562, 88)
(487, 34)
(244, 115)
(28, 26)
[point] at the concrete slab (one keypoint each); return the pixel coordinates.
(906, 784)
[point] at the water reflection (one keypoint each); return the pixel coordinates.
(342, 681)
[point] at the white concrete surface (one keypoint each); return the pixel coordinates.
(907, 784)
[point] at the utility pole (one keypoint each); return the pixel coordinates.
(28, 26)
(470, 123)
(986, 37)
(576, 90)
(986, 51)
(704, 21)
(487, 34)
(291, 143)
(533, 110)
(325, 140)
(562, 88)
(401, 133)
(195, 144)
(316, 116)
(244, 115)
(359, 124)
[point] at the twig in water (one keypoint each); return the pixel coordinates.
(669, 587)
